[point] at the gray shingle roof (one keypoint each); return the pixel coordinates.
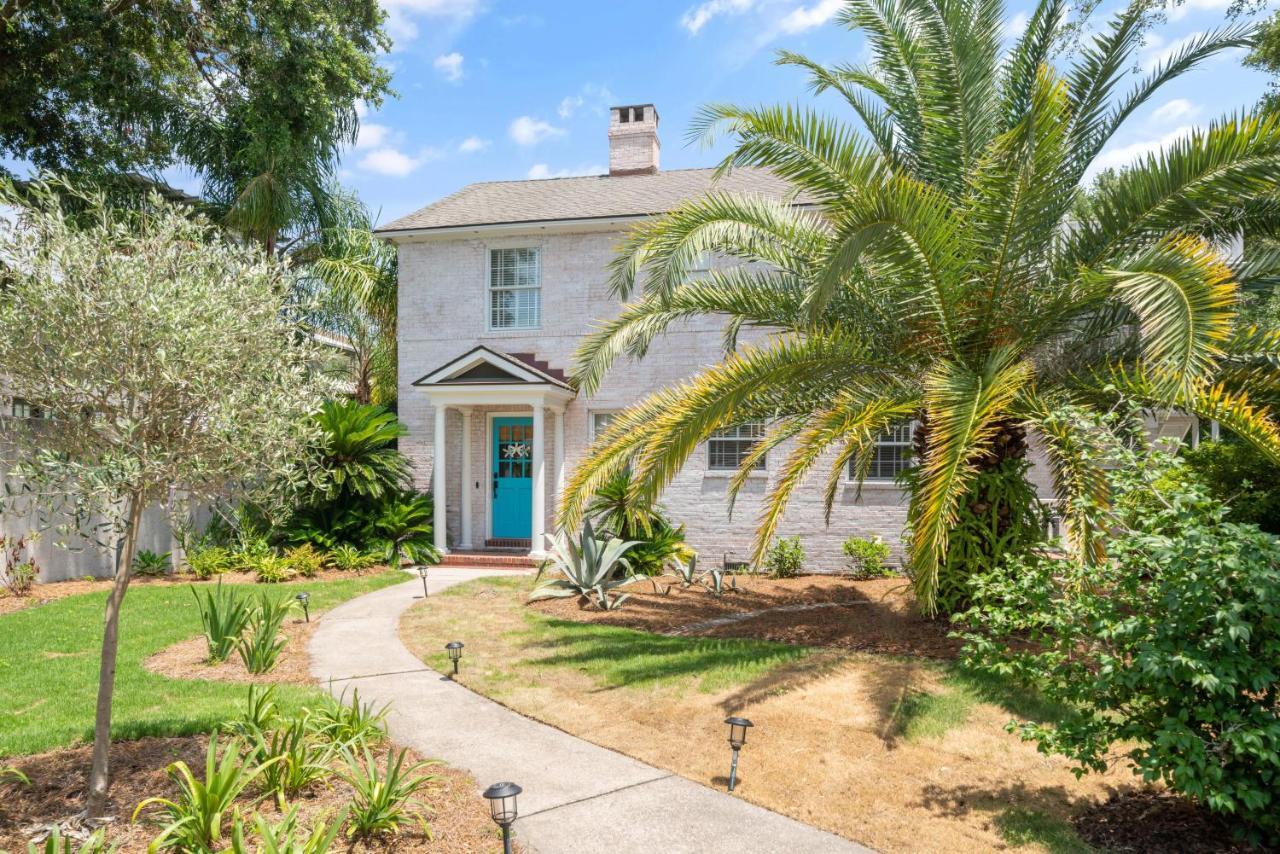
(589, 197)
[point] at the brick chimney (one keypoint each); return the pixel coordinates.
(633, 140)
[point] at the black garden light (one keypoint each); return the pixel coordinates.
(455, 653)
(737, 738)
(422, 571)
(304, 599)
(502, 806)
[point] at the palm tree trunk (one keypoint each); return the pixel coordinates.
(99, 779)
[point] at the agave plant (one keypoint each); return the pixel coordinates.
(590, 568)
(947, 270)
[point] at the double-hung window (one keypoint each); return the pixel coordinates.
(600, 421)
(515, 289)
(727, 449)
(22, 408)
(892, 453)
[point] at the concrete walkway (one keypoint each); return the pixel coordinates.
(578, 797)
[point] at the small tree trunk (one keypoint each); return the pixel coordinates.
(99, 779)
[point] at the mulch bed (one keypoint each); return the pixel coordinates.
(1150, 821)
(458, 816)
(188, 660)
(877, 615)
(44, 593)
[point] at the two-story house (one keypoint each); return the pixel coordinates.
(498, 284)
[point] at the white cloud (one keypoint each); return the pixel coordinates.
(403, 15)
(1179, 109)
(539, 171)
(372, 135)
(804, 18)
(568, 104)
(597, 97)
(1157, 52)
(696, 18)
(1015, 26)
(1116, 158)
(394, 162)
(1177, 13)
(472, 144)
(449, 65)
(526, 130)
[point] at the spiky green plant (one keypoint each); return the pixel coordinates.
(382, 801)
(56, 843)
(287, 836)
(348, 724)
(943, 270)
(303, 759)
(224, 615)
(588, 568)
(262, 643)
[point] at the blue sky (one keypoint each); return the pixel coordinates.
(493, 90)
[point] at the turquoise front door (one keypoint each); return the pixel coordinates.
(512, 478)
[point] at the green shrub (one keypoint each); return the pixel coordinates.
(194, 820)
(262, 643)
(208, 561)
(20, 572)
(272, 569)
(353, 724)
(348, 558)
(867, 557)
(306, 560)
(56, 843)
(251, 554)
(150, 564)
(785, 558)
(287, 836)
(224, 615)
(1168, 650)
(1241, 477)
(300, 760)
(614, 511)
(383, 798)
(400, 527)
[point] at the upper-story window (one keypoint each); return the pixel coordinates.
(893, 453)
(728, 448)
(600, 421)
(515, 289)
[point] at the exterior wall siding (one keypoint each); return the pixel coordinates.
(443, 304)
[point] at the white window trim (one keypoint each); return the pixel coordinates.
(884, 481)
(489, 289)
(591, 421)
(760, 470)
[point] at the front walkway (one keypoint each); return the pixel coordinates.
(577, 796)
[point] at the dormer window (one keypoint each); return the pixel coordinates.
(515, 289)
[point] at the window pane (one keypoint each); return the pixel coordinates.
(727, 448)
(893, 453)
(515, 300)
(600, 422)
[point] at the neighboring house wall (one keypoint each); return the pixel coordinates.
(443, 304)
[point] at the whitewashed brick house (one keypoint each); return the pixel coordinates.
(498, 283)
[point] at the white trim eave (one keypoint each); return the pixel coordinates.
(530, 394)
(549, 226)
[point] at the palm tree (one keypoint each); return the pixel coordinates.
(936, 264)
(357, 453)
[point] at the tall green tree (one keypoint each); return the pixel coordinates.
(940, 269)
(163, 358)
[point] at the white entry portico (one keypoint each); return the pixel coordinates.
(505, 390)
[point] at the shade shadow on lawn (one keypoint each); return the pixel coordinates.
(619, 658)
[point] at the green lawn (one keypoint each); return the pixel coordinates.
(49, 666)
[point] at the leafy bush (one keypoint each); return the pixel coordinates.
(208, 561)
(262, 643)
(785, 558)
(224, 615)
(401, 528)
(867, 557)
(194, 821)
(351, 724)
(615, 512)
(272, 569)
(305, 560)
(287, 836)
(1237, 474)
(253, 550)
(1170, 645)
(383, 798)
(20, 572)
(301, 760)
(348, 558)
(148, 563)
(589, 568)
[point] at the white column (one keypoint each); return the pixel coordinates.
(537, 543)
(557, 461)
(467, 492)
(439, 486)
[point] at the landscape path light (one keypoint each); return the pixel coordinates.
(304, 600)
(502, 806)
(737, 737)
(455, 653)
(422, 571)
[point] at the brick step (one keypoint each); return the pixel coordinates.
(478, 558)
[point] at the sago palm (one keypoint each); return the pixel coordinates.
(936, 264)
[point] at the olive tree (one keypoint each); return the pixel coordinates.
(163, 358)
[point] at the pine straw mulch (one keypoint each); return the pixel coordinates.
(1154, 821)
(42, 594)
(189, 659)
(877, 615)
(457, 815)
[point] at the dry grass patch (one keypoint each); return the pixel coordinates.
(898, 753)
